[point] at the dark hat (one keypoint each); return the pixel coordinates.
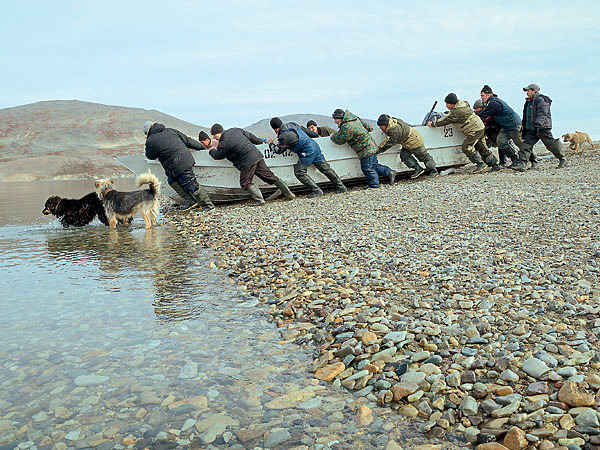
(276, 123)
(216, 129)
(486, 89)
(202, 136)
(384, 120)
(451, 98)
(310, 123)
(478, 103)
(338, 114)
(535, 87)
(289, 138)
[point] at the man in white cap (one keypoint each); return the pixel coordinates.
(537, 125)
(171, 148)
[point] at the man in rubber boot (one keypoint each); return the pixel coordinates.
(537, 124)
(491, 133)
(238, 146)
(497, 111)
(399, 132)
(171, 148)
(309, 153)
(322, 131)
(356, 133)
(472, 127)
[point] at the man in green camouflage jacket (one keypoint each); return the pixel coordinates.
(470, 124)
(398, 131)
(356, 133)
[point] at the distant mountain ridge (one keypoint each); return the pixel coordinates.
(72, 139)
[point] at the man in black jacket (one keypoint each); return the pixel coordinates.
(322, 131)
(171, 148)
(238, 146)
(537, 124)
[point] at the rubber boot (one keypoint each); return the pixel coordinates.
(534, 161)
(493, 163)
(315, 191)
(411, 162)
(257, 196)
(558, 151)
(430, 166)
(334, 178)
(202, 199)
(190, 201)
(480, 166)
(285, 190)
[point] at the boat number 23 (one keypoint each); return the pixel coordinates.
(448, 132)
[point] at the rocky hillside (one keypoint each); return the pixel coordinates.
(73, 139)
(70, 139)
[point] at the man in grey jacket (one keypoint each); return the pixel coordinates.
(537, 125)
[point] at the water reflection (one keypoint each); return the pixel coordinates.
(158, 254)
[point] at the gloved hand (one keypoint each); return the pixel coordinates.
(264, 141)
(536, 131)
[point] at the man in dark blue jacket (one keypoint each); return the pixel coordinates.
(171, 148)
(309, 153)
(537, 124)
(497, 111)
(239, 147)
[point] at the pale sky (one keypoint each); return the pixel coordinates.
(237, 62)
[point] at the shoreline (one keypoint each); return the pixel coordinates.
(468, 302)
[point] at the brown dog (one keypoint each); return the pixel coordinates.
(577, 140)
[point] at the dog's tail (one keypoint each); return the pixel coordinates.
(151, 181)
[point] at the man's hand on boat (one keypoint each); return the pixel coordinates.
(430, 124)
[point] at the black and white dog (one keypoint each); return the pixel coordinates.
(121, 206)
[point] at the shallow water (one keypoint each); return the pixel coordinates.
(128, 338)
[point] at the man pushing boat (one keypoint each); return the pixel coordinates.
(238, 146)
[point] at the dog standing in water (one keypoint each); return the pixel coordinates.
(123, 205)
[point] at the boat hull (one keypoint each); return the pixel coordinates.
(221, 179)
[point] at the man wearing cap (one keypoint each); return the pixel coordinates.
(356, 133)
(498, 112)
(208, 142)
(238, 146)
(322, 131)
(472, 127)
(309, 153)
(171, 148)
(398, 131)
(537, 124)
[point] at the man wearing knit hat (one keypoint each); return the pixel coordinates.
(537, 124)
(472, 127)
(322, 131)
(398, 131)
(293, 137)
(278, 125)
(356, 133)
(498, 112)
(171, 148)
(239, 147)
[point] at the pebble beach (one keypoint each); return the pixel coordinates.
(470, 304)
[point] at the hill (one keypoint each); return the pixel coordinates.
(70, 139)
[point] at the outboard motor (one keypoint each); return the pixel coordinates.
(432, 115)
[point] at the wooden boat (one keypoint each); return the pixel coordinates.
(221, 179)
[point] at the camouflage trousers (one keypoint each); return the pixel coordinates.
(474, 146)
(414, 147)
(504, 140)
